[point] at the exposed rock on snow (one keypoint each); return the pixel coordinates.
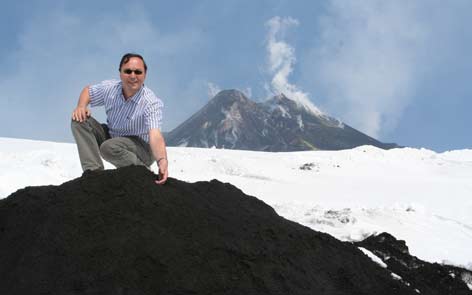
(429, 278)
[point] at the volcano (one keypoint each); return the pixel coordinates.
(232, 121)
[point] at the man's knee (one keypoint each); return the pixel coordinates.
(107, 149)
(76, 125)
(111, 149)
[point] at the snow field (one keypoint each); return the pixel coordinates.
(417, 195)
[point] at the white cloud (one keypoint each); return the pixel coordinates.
(59, 53)
(213, 90)
(367, 61)
(281, 60)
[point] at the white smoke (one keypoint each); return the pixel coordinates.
(247, 92)
(281, 60)
(213, 89)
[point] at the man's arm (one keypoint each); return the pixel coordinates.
(81, 112)
(158, 148)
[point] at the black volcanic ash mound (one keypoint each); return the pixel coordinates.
(116, 232)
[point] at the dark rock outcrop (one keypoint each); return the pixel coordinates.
(116, 232)
(428, 278)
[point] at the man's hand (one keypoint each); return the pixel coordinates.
(81, 114)
(163, 173)
(158, 148)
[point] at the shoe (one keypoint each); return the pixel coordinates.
(87, 173)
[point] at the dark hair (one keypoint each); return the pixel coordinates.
(125, 59)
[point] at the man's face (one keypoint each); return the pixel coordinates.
(132, 76)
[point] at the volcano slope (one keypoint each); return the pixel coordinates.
(116, 232)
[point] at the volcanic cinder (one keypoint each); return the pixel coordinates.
(116, 232)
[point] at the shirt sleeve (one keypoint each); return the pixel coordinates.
(98, 92)
(153, 115)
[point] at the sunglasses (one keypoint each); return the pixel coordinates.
(129, 71)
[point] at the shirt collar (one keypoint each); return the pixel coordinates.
(136, 97)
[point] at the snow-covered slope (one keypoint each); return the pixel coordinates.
(417, 195)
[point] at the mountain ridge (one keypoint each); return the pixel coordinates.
(231, 120)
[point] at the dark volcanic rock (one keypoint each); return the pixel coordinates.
(116, 232)
(428, 278)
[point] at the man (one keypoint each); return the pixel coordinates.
(132, 134)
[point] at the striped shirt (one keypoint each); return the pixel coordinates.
(135, 116)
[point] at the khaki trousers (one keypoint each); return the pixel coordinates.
(94, 141)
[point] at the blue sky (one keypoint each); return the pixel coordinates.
(396, 70)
